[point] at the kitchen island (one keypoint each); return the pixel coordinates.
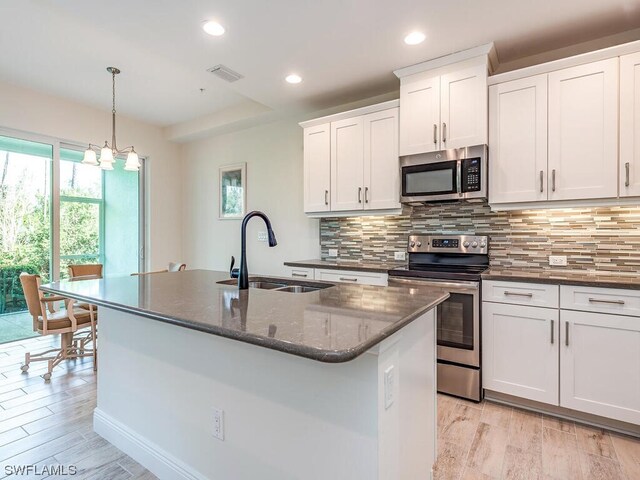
(200, 380)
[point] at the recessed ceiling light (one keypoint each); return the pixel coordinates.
(414, 38)
(213, 28)
(293, 78)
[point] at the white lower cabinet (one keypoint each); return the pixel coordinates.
(520, 351)
(355, 277)
(600, 364)
(581, 353)
(301, 273)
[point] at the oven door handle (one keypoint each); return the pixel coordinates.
(461, 286)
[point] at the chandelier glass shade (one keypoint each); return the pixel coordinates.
(108, 152)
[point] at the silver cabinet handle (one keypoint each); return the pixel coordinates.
(610, 302)
(518, 294)
(444, 132)
(326, 197)
(553, 180)
(366, 194)
(541, 181)
(552, 329)
(304, 275)
(566, 334)
(435, 133)
(359, 194)
(627, 166)
(347, 279)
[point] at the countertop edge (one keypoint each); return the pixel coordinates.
(599, 282)
(332, 266)
(325, 356)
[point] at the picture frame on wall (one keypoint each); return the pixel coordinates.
(233, 191)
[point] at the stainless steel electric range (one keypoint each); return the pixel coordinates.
(453, 263)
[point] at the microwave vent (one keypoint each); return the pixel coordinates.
(225, 73)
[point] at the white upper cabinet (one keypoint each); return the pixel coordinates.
(419, 115)
(443, 108)
(630, 125)
(347, 164)
(583, 131)
(381, 167)
(317, 168)
(351, 162)
(463, 107)
(518, 140)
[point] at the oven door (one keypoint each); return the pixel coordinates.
(426, 182)
(458, 319)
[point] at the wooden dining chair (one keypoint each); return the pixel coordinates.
(173, 267)
(92, 270)
(48, 321)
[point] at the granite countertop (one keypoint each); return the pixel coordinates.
(355, 265)
(591, 279)
(332, 325)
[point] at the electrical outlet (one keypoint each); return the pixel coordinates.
(399, 255)
(218, 423)
(262, 236)
(389, 381)
(558, 260)
(333, 252)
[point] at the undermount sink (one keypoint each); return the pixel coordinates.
(281, 285)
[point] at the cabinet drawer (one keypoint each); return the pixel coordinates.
(301, 273)
(603, 300)
(518, 293)
(348, 276)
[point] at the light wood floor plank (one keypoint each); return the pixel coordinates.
(560, 457)
(628, 454)
(596, 441)
(488, 450)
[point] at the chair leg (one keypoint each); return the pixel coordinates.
(27, 361)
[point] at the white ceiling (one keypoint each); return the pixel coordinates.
(345, 50)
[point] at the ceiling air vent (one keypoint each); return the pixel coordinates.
(225, 73)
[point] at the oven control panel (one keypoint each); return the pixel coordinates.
(463, 244)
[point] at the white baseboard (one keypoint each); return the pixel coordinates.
(152, 457)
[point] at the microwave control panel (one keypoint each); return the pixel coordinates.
(471, 174)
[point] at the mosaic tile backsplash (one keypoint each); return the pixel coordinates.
(593, 239)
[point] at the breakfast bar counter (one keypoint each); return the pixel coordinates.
(198, 379)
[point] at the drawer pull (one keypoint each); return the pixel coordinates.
(347, 279)
(517, 294)
(304, 275)
(552, 329)
(610, 302)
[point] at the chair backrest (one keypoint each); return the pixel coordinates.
(32, 294)
(89, 270)
(177, 267)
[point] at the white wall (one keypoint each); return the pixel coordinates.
(30, 111)
(273, 154)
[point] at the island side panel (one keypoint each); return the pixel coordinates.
(285, 417)
(408, 419)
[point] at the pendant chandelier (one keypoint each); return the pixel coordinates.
(108, 152)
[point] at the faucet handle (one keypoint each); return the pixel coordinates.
(233, 272)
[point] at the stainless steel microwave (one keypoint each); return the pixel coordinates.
(454, 174)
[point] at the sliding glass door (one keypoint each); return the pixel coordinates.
(56, 211)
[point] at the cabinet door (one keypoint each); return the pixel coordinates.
(381, 161)
(630, 125)
(464, 108)
(518, 139)
(419, 115)
(600, 364)
(317, 168)
(583, 131)
(520, 351)
(347, 164)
